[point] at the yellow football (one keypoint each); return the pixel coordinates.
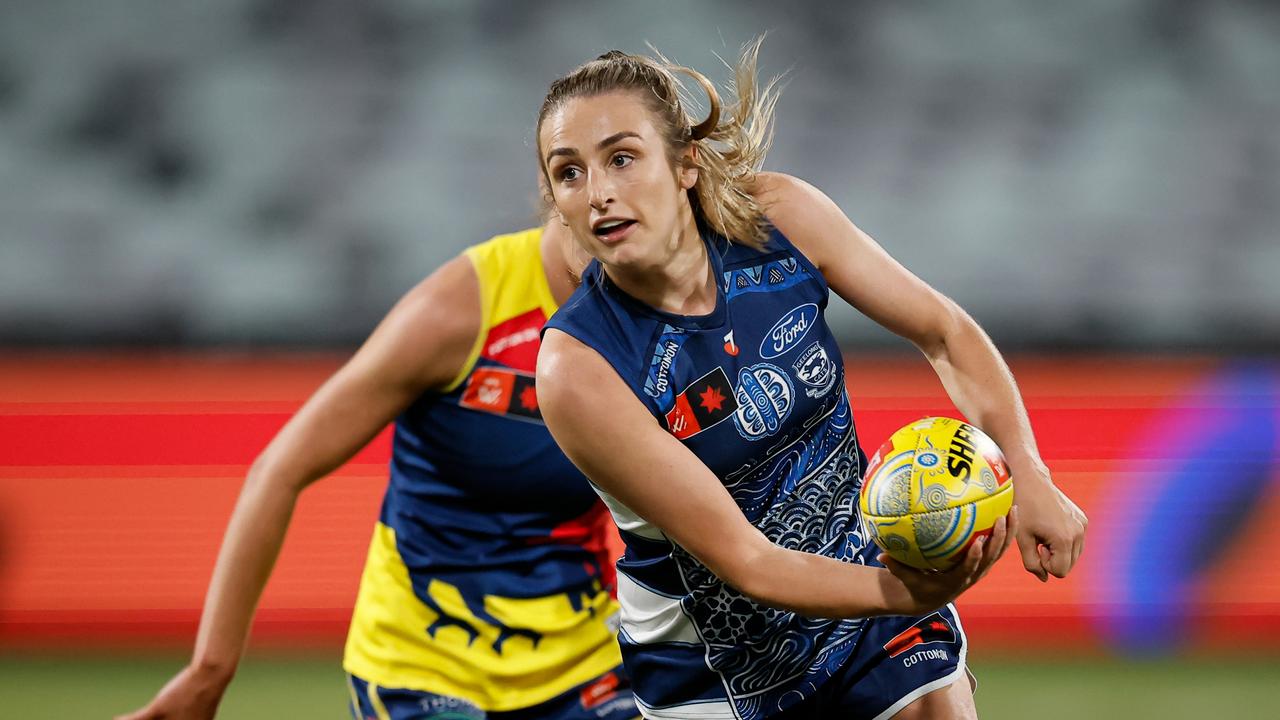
(933, 488)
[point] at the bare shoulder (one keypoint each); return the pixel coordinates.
(572, 374)
(428, 335)
(778, 192)
(445, 297)
(564, 363)
(806, 215)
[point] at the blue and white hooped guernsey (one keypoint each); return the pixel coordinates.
(756, 390)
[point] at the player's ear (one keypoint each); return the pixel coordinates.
(689, 169)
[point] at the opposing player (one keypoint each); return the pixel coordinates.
(485, 594)
(693, 378)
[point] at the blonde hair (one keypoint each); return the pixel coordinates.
(730, 144)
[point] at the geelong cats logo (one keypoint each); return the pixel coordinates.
(815, 369)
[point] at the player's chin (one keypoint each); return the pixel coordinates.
(625, 256)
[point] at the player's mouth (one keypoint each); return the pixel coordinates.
(612, 230)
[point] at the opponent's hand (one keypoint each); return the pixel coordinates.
(192, 694)
(929, 590)
(1051, 532)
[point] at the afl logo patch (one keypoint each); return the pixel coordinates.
(815, 369)
(765, 397)
(790, 329)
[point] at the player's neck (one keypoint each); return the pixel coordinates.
(682, 285)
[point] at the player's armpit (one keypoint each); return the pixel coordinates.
(606, 431)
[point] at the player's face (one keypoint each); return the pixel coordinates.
(612, 181)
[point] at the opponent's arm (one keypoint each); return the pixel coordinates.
(605, 430)
(421, 343)
(1052, 528)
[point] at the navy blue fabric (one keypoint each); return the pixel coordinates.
(896, 660)
(474, 498)
(756, 390)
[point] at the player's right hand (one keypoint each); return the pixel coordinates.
(192, 694)
(929, 590)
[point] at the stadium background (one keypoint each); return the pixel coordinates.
(205, 206)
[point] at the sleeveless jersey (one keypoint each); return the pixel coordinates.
(484, 578)
(756, 390)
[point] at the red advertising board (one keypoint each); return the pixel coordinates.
(118, 473)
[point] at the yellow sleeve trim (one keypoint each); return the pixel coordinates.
(515, 266)
(512, 281)
(475, 254)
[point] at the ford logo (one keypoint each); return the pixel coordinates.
(788, 331)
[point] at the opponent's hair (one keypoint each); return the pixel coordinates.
(730, 144)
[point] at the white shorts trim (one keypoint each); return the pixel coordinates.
(711, 710)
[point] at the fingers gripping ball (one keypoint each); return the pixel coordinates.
(932, 489)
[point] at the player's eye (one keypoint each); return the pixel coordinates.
(621, 160)
(568, 173)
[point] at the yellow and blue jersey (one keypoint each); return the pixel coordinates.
(487, 578)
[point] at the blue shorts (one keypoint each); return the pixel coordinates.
(898, 659)
(607, 697)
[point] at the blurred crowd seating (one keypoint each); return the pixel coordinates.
(1102, 173)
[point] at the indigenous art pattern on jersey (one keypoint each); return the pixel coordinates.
(755, 389)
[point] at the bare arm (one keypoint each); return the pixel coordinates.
(608, 434)
(421, 344)
(1051, 534)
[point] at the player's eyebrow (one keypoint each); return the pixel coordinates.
(612, 139)
(615, 138)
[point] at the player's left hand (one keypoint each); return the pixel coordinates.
(193, 694)
(1051, 528)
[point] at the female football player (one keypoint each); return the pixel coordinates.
(694, 380)
(484, 594)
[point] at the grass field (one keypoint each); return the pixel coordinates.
(36, 687)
